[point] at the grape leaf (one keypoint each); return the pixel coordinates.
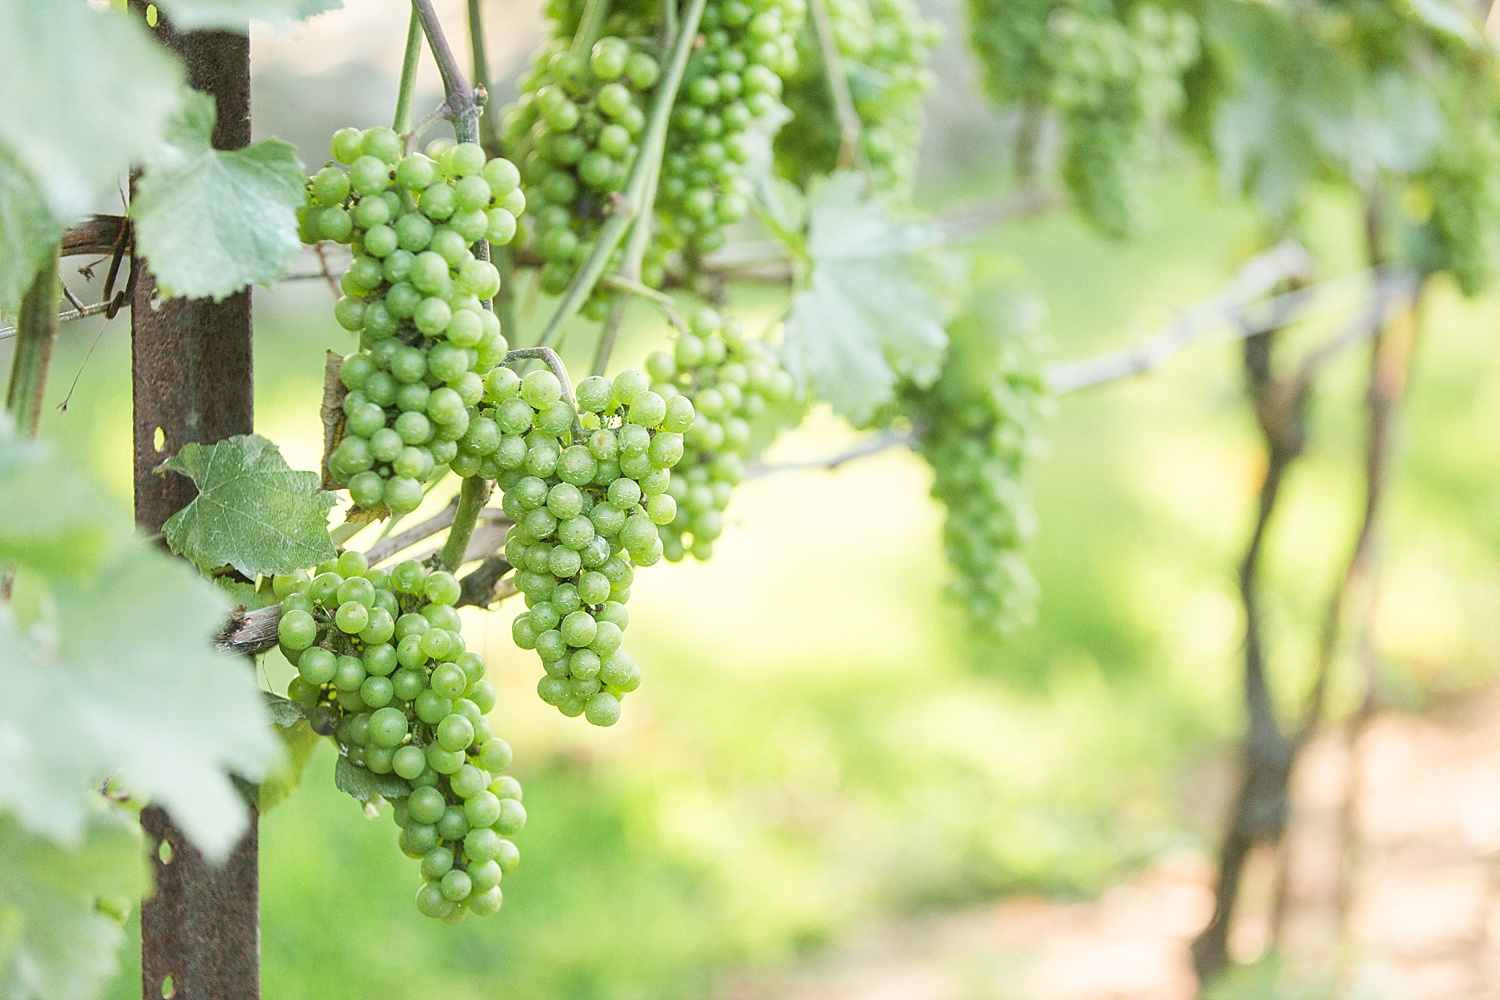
(55, 943)
(284, 712)
(252, 511)
(364, 784)
(1396, 126)
(211, 222)
(300, 741)
(53, 522)
(122, 678)
(246, 595)
(1449, 19)
(875, 304)
(1300, 109)
(85, 93)
(236, 15)
(28, 229)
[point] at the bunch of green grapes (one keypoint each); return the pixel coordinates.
(739, 390)
(731, 88)
(586, 488)
(575, 131)
(415, 293)
(885, 47)
(382, 668)
(977, 427)
(1110, 78)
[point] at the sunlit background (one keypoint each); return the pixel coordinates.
(818, 791)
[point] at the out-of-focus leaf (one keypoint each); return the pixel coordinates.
(252, 511)
(1447, 18)
(55, 943)
(28, 229)
(83, 94)
(128, 657)
(236, 15)
(1396, 125)
(211, 222)
(874, 305)
(53, 523)
(300, 742)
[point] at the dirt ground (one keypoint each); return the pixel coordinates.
(1421, 913)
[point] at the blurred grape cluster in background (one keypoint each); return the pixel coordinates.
(820, 790)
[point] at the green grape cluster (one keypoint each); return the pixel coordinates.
(415, 293)
(977, 427)
(586, 488)
(740, 390)
(1110, 78)
(383, 669)
(575, 131)
(885, 47)
(730, 90)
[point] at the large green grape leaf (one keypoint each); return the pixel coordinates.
(211, 222)
(122, 678)
(874, 306)
(28, 229)
(252, 512)
(236, 15)
(53, 522)
(83, 93)
(55, 941)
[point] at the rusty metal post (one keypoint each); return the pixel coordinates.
(191, 368)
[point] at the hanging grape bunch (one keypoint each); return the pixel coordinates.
(415, 294)
(382, 668)
(885, 46)
(978, 427)
(1111, 78)
(587, 490)
(575, 130)
(738, 389)
(732, 86)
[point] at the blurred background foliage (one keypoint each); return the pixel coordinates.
(816, 748)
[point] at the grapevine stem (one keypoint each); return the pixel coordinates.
(851, 146)
(633, 201)
(489, 123)
(461, 102)
(472, 497)
(664, 302)
(589, 27)
(609, 334)
(549, 357)
(401, 122)
(36, 331)
(669, 21)
(635, 252)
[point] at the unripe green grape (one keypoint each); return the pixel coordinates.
(369, 176)
(330, 186)
(297, 630)
(408, 761)
(346, 145)
(382, 143)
